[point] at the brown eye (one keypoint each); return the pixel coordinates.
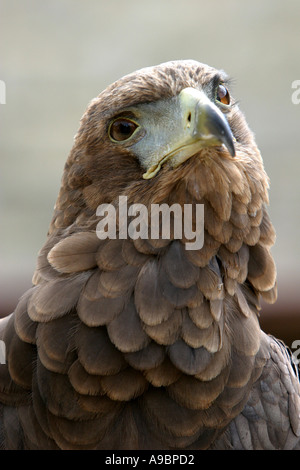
(121, 129)
(223, 95)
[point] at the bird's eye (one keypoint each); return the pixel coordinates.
(121, 129)
(223, 95)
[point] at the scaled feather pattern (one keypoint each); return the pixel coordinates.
(141, 343)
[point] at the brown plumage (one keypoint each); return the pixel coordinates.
(143, 343)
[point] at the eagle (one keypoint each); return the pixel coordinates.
(128, 340)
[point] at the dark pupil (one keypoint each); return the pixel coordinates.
(124, 128)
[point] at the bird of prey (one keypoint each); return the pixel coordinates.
(144, 342)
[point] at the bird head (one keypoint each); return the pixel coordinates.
(153, 127)
(174, 129)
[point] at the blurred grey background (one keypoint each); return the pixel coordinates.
(56, 55)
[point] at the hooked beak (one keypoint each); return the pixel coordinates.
(202, 124)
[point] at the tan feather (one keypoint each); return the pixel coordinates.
(189, 360)
(239, 207)
(234, 244)
(53, 342)
(177, 296)
(218, 362)
(131, 255)
(196, 301)
(201, 257)
(267, 232)
(163, 375)
(91, 289)
(216, 308)
(180, 271)
(101, 311)
(125, 385)
(19, 357)
(194, 186)
(210, 338)
(230, 285)
(147, 358)
(93, 308)
(82, 382)
(44, 270)
(109, 256)
(174, 419)
(230, 262)
(236, 264)
(255, 203)
(212, 222)
(270, 296)
(210, 281)
(96, 353)
(251, 296)
(242, 302)
(35, 437)
(232, 397)
(25, 327)
(240, 233)
(253, 236)
(241, 370)
(62, 400)
(126, 331)
(243, 259)
(196, 394)
(190, 333)
(152, 306)
(100, 405)
(124, 434)
(83, 434)
(75, 253)
(238, 183)
(201, 315)
(168, 331)
(221, 203)
(119, 282)
(160, 243)
(255, 217)
(221, 176)
(225, 233)
(261, 268)
(239, 220)
(244, 330)
(204, 177)
(142, 246)
(55, 298)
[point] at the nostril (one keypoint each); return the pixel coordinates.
(189, 117)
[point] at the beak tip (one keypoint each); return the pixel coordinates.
(228, 142)
(231, 150)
